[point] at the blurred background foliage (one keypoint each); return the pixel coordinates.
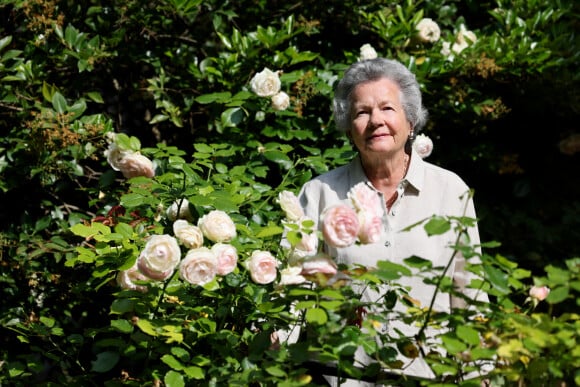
(175, 73)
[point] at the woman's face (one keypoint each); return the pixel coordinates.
(378, 121)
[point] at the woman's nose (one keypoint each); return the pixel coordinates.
(376, 118)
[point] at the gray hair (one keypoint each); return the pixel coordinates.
(373, 69)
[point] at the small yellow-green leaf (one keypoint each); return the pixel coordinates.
(316, 316)
(147, 327)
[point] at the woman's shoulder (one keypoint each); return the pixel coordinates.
(336, 181)
(334, 175)
(443, 175)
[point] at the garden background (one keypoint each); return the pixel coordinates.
(175, 77)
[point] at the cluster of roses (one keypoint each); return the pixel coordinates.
(357, 220)
(162, 254)
(131, 163)
(428, 31)
(267, 84)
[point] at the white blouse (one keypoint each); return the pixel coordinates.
(426, 190)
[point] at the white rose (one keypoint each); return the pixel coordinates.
(428, 31)
(160, 257)
(262, 267)
(265, 83)
(199, 266)
(188, 234)
(179, 209)
(367, 52)
(446, 50)
(280, 101)
(217, 226)
(423, 145)
(126, 279)
(135, 164)
(227, 257)
(291, 276)
(115, 154)
(290, 205)
(463, 39)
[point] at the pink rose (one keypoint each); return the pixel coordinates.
(371, 227)
(364, 198)
(217, 226)
(227, 257)
(320, 263)
(308, 244)
(539, 292)
(126, 279)
(135, 164)
(262, 266)
(188, 234)
(340, 225)
(160, 257)
(199, 266)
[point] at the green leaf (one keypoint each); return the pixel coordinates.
(49, 322)
(122, 305)
(316, 316)
(437, 225)
(147, 327)
(232, 117)
(90, 231)
(498, 279)
(132, 200)
(203, 148)
(214, 97)
(390, 271)
(172, 362)
(105, 361)
(453, 345)
(305, 304)
(468, 335)
(194, 372)
(174, 379)
(5, 42)
(269, 231)
(558, 294)
(95, 96)
(276, 371)
(47, 91)
(418, 262)
(59, 102)
(78, 108)
(122, 326)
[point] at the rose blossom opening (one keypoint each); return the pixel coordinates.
(262, 267)
(199, 266)
(217, 226)
(160, 257)
(340, 225)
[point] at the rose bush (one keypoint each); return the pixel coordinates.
(76, 309)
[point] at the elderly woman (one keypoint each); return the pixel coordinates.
(378, 105)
